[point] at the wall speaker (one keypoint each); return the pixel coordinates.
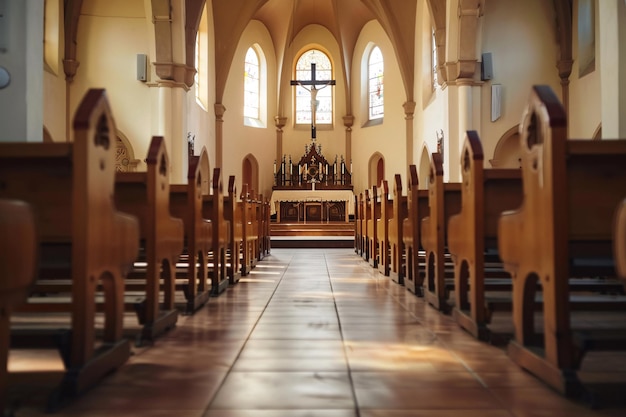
(142, 67)
(486, 67)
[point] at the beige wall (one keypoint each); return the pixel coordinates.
(240, 140)
(111, 34)
(388, 138)
(521, 37)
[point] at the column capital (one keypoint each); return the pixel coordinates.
(179, 73)
(220, 109)
(280, 122)
(348, 121)
(409, 109)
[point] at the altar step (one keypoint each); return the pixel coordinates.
(312, 235)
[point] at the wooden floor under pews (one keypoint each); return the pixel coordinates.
(318, 332)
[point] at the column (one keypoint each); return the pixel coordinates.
(612, 28)
(21, 71)
(409, 110)
(219, 133)
(348, 121)
(279, 122)
(172, 125)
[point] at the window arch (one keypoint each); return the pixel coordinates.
(252, 85)
(324, 102)
(375, 76)
(202, 61)
(433, 57)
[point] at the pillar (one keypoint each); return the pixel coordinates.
(612, 27)
(219, 133)
(21, 71)
(409, 111)
(172, 125)
(348, 122)
(279, 122)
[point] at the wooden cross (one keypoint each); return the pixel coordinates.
(313, 83)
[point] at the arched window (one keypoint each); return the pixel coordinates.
(375, 75)
(324, 102)
(433, 48)
(52, 13)
(202, 62)
(251, 85)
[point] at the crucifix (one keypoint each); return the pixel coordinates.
(313, 89)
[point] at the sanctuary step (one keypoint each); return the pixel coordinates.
(312, 235)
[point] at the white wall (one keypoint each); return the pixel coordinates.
(21, 101)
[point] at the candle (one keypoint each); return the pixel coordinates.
(343, 168)
(274, 167)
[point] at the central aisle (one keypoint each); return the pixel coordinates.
(319, 333)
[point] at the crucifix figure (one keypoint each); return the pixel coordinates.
(314, 87)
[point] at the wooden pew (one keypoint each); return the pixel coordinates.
(249, 237)
(262, 225)
(266, 244)
(372, 230)
(396, 242)
(357, 225)
(233, 215)
(146, 195)
(472, 234)
(70, 187)
(18, 261)
(186, 203)
(365, 213)
(417, 209)
(571, 191)
(619, 242)
(382, 224)
(444, 200)
(213, 209)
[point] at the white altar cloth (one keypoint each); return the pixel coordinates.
(312, 195)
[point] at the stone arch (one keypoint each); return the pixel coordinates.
(250, 173)
(47, 137)
(376, 169)
(597, 134)
(423, 169)
(125, 160)
(507, 154)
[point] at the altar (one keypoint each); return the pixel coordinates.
(312, 205)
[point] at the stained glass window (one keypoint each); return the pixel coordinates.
(376, 71)
(324, 102)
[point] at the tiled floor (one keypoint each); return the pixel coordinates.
(318, 333)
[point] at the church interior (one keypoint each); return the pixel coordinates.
(320, 208)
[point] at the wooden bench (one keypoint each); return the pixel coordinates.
(264, 227)
(372, 230)
(18, 261)
(444, 200)
(382, 224)
(563, 229)
(250, 232)
(146, 195)
(396, 241)
(473, 232)
(357, 225)
(365, 213)
(70, 187)
(213, 209)
(619, 242)
(186, 203)
(417, 209)
(233, 215)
